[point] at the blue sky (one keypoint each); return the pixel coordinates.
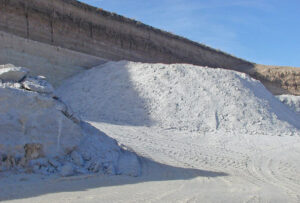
(261, 31)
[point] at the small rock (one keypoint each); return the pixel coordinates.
(38, 85)
(22, 162)
(109, 169)
(13, 85)
(41, 77)
(33, 151)
(11, 73)
(67, 170)
(77, 158)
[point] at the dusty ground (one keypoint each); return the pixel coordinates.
(212, 168)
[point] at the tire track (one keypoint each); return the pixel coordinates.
(270, 169)
(258, 167)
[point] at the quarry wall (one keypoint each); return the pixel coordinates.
(72, 25)
(56, 63)
(76, 26)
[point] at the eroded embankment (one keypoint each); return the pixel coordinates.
(278, 79)
(82, 28)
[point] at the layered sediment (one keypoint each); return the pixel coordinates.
(81, 28)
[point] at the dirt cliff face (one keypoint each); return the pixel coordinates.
(82, 28)
(278, 79)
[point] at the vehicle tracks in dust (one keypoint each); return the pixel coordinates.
(258, 167)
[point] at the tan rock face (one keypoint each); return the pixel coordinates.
(278, 79)
(79, 27)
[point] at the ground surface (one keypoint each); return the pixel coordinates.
(211, 168)
(246, 151)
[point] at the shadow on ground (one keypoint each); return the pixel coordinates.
(22, 186)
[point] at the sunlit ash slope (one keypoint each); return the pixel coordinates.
(179, 96)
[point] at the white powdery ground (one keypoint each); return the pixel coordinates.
(221, 135)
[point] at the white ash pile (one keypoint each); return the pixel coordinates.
(40, 134)
(178, 97)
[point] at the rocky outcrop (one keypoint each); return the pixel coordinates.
(40, 134)
(80, 27)
(31, 117)
(10, 73)
(38, 84)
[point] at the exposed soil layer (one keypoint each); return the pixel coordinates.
(79, 27)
